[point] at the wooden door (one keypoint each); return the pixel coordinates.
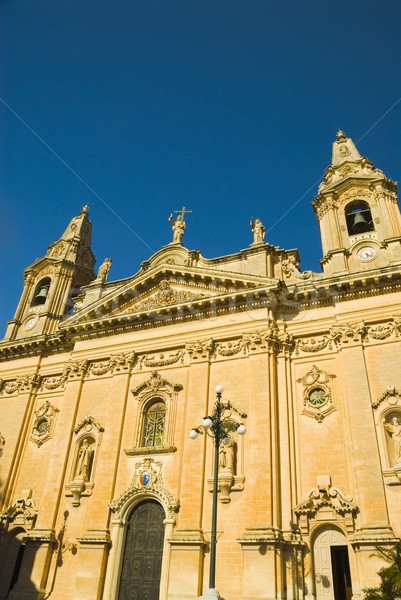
(142, 560)
(325, 539)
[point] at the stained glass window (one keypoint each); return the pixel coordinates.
(154, 424)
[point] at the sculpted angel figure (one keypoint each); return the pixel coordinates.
(394, 429)
(104, 270)
(178, 228)
(258, 231)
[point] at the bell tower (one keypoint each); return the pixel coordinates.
(51, 282)
(358, 213)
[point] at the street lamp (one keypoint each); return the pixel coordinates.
(216, 429)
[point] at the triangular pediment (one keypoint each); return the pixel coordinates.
(164, 287)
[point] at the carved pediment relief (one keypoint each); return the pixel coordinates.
(327, 504)
(154, 290)
(165, 294)
(156, 384)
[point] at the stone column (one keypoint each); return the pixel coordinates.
(95, 544)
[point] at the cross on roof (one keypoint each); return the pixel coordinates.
(183, 212)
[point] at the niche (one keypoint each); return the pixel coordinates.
(89, 434)
(392, 429)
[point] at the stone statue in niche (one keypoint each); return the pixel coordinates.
(226, 456)
(81, 482)
(226, 477)
(258, 231)
(393, 428)
(84, 462)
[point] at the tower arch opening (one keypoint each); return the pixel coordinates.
(41, 292)
(358, 217)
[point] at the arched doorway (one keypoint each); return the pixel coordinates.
(143, 552)
(331, 565)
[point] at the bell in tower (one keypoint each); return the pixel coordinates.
(52, 280)
(358, 213)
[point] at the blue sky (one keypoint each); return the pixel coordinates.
(227, 107)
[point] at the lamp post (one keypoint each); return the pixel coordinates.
(216, 429)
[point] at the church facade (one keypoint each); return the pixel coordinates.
(104, 496)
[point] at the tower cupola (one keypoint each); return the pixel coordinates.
(51, 282)
(358, 213)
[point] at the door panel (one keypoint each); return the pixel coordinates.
(142, 561)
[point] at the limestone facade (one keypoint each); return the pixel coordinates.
(102, 381)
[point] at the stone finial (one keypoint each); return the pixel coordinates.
(85, 210)
(344, 150)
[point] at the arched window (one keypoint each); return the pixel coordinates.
(358, 217)
(41, 292)
(154, 421)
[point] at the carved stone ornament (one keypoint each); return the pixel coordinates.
(23, 512)
(291, 269)
(2, 444)
(116, 363)
(391, 392)
(327, 504)
(161, 360)
(88, 423)
(147, 482)
(350, 333)
(26, 383)
(155, 384)
(200, 350)
(43, 423)
(317, 395)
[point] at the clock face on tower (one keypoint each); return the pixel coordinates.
(30, 324)
(366, 253)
